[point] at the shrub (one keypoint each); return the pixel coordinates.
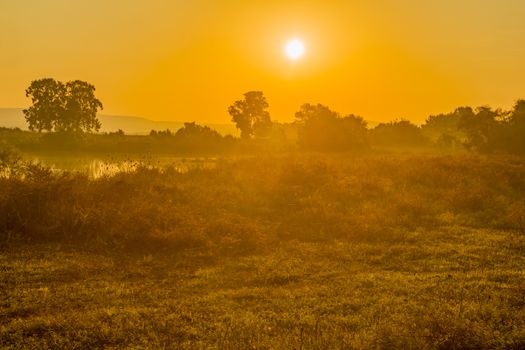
(242, 206)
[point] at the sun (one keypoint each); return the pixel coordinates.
(294, 49)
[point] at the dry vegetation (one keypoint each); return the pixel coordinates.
(278, 252)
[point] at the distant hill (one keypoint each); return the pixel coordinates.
(14, 118)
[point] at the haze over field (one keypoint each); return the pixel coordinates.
(14, 118)
(186, 60)
(262, 174)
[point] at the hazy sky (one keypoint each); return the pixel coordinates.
(189, 60)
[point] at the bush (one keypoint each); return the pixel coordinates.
(242, 206)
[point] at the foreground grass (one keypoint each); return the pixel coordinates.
(268, 253)
(453, 288)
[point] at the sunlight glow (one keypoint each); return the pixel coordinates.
(294, 49)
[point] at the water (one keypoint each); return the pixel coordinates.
(96, 165)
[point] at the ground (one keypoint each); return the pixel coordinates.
(449, 288)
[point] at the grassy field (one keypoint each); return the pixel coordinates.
(290, 252)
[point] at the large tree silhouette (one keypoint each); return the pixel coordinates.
(399, 133)
(250, 115)
(481, 127)
(322, 129)
(71, 107)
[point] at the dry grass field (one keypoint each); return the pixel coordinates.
(281, 252)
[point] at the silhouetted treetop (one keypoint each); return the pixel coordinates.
(48, 104)
(251, 116)
(401, 133)
(322, 129)
(71, 107)
(480, 127)
(517, 115)
(193, 130)
(160, 133)
(310, 112)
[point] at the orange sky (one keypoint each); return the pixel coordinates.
(189, 60)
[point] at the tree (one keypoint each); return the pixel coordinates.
(514, 129)
(193, 137)
(195, 131)
(517, 115)
(401, 133)
(481, 127)
(322, 129)
(443, 129)
(70, 107)
(250, 115)
(48, 99)
(81, 108)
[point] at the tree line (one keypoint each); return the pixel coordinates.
(71, 108)
(319, 128)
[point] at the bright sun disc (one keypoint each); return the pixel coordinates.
(294, 49)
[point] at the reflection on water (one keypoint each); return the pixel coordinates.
(97, 166)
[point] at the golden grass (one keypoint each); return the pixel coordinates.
(308, 252)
